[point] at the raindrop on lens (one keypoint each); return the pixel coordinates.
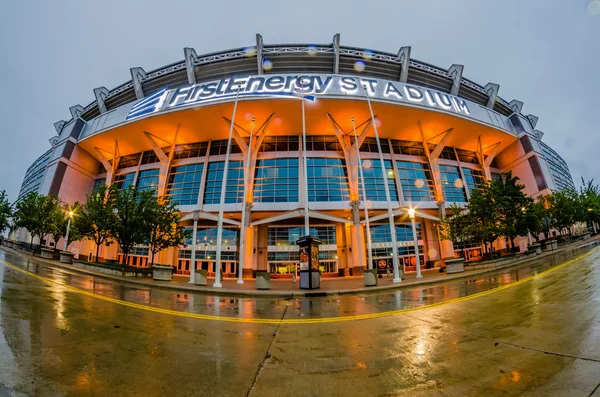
(419, 183)
(312, 50)
(367, 54)
(267, 64)
(250, 51)
(367, 164)
(458, 183)
(359, 65)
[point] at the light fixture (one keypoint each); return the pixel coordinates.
(411, 213)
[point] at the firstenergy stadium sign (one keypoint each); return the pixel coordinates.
(308, 87)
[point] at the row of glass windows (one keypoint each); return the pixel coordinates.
(287, 236)
(276, 180)
(292, 143)
(382, 233)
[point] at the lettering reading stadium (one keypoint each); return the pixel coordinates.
(322, 138)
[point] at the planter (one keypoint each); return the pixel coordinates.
(370, 277)
(47, 253)
(66, 257)
(200, 277)
(587, 236)
(455, 265)
(162, 272)
(535, 248)
(263, 280)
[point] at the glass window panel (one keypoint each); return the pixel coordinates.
(183, 184)
(416, 181)
(452, 184)
(276, 180)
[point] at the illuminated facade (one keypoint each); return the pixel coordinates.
(440, 136)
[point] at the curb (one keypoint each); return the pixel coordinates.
(294, 294)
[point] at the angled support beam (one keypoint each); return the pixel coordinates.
(59, 125)
(401, 211)
(76, 111)
(157, 149)
(260, 134)
(236, 135)
(259, 53)
(137, 76)
(539, 134)
(515, 106)
(492, 90)
(404, 58)
(492, 154)
(209, 216)
(456, 71)
(320, 215)
(286, 215)
(336, 53)
(532, 120)
(101, 93)
(435, 154)
(339, 132)
(105, 163)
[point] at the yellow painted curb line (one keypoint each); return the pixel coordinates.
(293, 321)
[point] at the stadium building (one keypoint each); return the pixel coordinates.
(440, 134)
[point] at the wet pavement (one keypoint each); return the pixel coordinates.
(536, 338)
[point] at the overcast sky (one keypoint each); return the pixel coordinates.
(545, 53)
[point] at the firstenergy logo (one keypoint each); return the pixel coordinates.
(150, 104)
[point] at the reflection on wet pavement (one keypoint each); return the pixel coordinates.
(294, 308)
(539, 338)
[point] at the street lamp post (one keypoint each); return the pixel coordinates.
(70, 213)
(411, 213)
(193, 256)
(397, 276)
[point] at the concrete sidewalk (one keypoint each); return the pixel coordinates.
(286, 288)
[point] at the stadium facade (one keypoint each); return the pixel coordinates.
(441, 136)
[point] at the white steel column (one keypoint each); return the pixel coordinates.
(411, 213)
(244, 205)
(364, 194)
(305, 166)
(218, 283)
(397, 276)
(193, 256)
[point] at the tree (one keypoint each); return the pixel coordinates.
(36, 213)
(483, 217)
(511, 205)
(455, 227)
(165, 231)
(564, 209)
(5, 211)
(133, 212)
(590, 200)
(97, 216)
